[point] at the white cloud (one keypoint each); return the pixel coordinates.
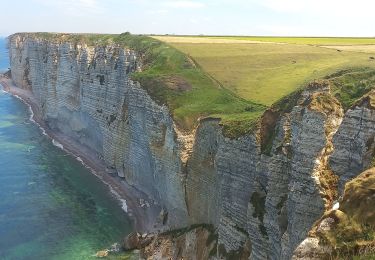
(284, 30)
(327, 7)
(184, 4)
(74, 7)
(285, 5)
(245, 17)
(157, 11)
(194, 21)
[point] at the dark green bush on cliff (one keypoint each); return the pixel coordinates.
(352, 235)
(350, 85)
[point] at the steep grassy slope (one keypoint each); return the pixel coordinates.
(350, 85)
(171, 78)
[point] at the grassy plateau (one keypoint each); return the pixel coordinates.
(237, 78)
(304, 40)
(265, 72)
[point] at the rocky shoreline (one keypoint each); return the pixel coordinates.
(136, 204)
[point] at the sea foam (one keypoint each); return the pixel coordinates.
(124, 206)
(57, 144)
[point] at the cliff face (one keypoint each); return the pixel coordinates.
(86, 94)
(266, 204)
(354, 144)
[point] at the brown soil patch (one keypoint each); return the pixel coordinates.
(177, 83)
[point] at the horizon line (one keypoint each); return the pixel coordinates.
(201, 35)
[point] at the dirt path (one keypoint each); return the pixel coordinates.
(370, 48)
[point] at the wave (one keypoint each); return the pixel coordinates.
(31, 117)
(117, 196)
(43, 131)
(57, 144)
(124, 206)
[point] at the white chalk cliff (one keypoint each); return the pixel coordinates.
(263, 202)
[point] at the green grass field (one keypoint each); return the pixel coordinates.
(235, 80)
(302, 40)
(263, 73)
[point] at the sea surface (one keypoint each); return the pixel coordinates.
(51, 206)
(4, 59)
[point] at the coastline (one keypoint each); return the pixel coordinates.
(144, 218)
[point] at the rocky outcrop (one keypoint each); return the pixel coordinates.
(195, 244)
(354, 144)
(347, 230)
(261, 204)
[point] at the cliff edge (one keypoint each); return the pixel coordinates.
(260, 190)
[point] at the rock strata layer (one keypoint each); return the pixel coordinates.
(267, 202)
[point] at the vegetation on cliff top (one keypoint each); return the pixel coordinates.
(353, 229)
(265, 72)
(234, 81)
(321, 41)
(348, 86)
(172, 78)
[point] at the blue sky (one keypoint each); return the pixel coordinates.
(214, 17)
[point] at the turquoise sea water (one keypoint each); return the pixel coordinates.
(4, 60)
(51, 207)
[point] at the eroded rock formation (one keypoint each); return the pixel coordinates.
(263, 203)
